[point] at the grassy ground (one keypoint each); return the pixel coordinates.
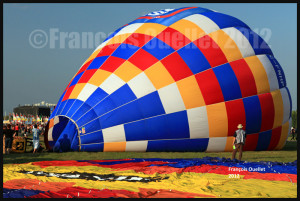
(287, 154)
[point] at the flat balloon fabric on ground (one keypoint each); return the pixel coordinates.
(147, 178)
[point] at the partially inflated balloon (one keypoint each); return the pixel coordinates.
(174, 80)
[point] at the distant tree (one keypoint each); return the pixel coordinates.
(294, 119)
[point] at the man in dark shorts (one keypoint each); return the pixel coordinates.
(9, 136)
(293, 132)
(239, 141)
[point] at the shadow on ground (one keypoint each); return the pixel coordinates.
(290, 146)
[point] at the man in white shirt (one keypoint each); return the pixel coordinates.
(238, 141)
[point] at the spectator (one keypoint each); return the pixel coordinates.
(43, 129)
(9, 136)
(17, 129)
(65, 143)
(293, 132)
(4, 131)
(13, 127)
(28, 130)
(36, 139)
(22, 130)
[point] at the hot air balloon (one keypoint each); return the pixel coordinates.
(174, 80)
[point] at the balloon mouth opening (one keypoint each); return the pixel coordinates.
(61, 135)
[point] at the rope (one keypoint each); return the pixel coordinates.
(290, 179)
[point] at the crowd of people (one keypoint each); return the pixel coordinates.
(11, 131)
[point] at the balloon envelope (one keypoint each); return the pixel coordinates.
(174, 80)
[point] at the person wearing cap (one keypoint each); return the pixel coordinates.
(238, 141)
(293, 133)
(36, 140)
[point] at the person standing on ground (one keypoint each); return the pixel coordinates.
(17, 129)
(4, 131)
(36, 139)
(28, 130)
(22, 130)
(42, 129)
(12, 127)
(9, 136)
(238, 141)
(293, 133)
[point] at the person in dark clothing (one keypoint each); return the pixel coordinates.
(239, 141)
(12, 127)
(293, 132)
(4, 130)
(28, 131)
(17, 129)
(65, 143)
(22, 130)
(9, 136)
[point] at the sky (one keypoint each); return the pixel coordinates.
(40, 55)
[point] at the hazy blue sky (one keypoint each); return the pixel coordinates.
(31, 75)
